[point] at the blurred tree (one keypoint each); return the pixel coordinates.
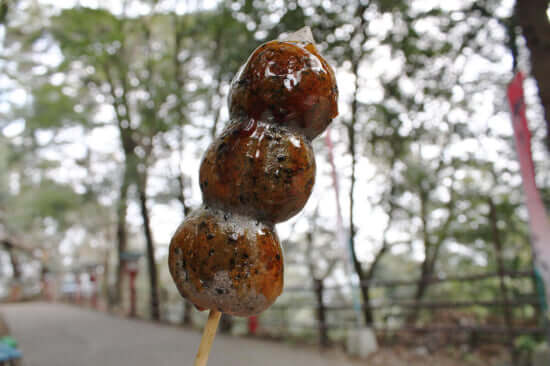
(321, 261)
(35, 212)
(229, 42)
(412, 132)
(5, 6)
(118, 51)
(533, 17)
(420, 133)
(145, 74)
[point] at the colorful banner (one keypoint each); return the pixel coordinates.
(538, 221)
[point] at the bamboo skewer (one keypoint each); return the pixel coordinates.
(208, 335)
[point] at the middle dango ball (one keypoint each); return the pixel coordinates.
(258, 169)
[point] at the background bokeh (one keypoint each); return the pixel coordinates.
(107, 106)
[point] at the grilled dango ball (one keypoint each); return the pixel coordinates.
(287, 83)
(226, 262)
(258, 169)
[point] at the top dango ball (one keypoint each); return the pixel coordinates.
(287, 83)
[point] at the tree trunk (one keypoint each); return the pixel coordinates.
(321, 313)
(105, 276)
(5, 7)
(181, 195)
(533, 19)
(539, 314)
(3, 12)
(44, 293)
(356, 59)
(503, 290)
(365, 291)
(15, 294)
(151, 263)
(128, 146)
(365, 286)
(226, 324)
(425, 269)
(367, 309)
(121, 234)
(15, 265)
(186, 318)
(421, 288)
(14, 261)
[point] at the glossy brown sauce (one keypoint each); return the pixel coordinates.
(260, 169)
(287, 83)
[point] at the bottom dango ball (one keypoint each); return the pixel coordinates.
(224, 262)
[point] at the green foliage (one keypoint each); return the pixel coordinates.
(526, 343)
(94, 34)
(52, 108)
(393, 6)
(227, 41)
(48, 199)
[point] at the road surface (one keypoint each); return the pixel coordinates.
(63, 335)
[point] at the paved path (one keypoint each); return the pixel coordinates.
(62, 335)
